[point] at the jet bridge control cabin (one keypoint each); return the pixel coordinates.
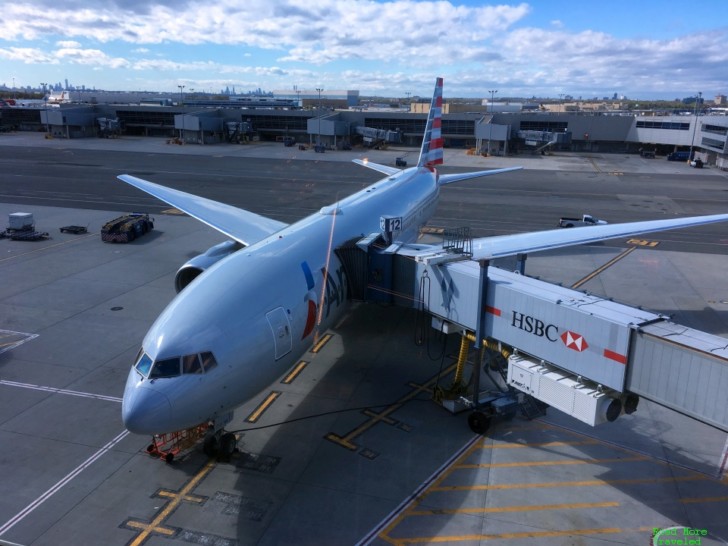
(587, 356)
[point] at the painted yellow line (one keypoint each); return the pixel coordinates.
(144, 526)
(643, 242)
(323, 341)
(383, 416)
(172, 506)
(704, 499)
(264, 405)
(594, 164)
(525, 508)
(553, 463)
(62, 243)
(188, 498)
(599, 270)
(527, 534)
(294, 373)
(585, 483)
(539, 444)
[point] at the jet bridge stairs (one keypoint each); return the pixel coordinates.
(582, 354)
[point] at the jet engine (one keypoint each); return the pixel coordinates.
(197, 265)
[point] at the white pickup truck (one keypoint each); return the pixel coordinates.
(585, 220)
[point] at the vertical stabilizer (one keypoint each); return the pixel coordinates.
(431, 152)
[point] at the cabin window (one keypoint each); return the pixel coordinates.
(165, 368)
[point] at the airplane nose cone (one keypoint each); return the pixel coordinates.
(145, 410)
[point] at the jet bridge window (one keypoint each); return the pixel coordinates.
(165, 368)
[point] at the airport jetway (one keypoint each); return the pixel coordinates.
(582, 354)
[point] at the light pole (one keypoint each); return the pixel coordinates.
(181, 96)
(490, 132)
(45, 107)
(318, 138)
(698, 100)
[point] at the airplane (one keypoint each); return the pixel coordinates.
(248, 308)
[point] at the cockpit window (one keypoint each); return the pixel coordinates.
(208, 361)
(143, 365)
(191, 364)
(165, 368)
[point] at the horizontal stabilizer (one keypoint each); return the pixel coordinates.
(241, 225)
(450, 178)
(509, 245)
(377, 167)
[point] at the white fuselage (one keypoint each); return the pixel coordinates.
(259, 309)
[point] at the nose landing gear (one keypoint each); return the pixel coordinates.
(219, 444)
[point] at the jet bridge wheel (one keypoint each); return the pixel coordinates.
(479, 422)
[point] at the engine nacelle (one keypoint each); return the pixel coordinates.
(199, 264)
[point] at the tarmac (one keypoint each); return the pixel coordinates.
(394, 468)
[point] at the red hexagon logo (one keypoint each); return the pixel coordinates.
(574, 341)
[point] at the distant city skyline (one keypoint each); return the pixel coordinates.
(392, 48)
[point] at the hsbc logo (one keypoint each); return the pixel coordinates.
(538, 328)
(574, 341)
(532, 325)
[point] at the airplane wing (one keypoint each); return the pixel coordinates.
(389, 171)
(241, 225)
(508, 245)
(450, 178)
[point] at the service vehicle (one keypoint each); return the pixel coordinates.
(585, 220)
(125, 229)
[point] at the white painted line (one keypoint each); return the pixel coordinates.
(60, 391)
(58, 486)
(26, 337)
(371, 535)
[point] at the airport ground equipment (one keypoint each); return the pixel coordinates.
(21, 227)
(76, 230)
(169, 446)
(125, 229)
(587, 356)
(21, 221)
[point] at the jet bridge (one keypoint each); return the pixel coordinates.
(587, 356)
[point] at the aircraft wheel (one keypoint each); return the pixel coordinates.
(228, 443)
(211, 446)
(479, 422)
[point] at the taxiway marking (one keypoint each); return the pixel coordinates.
(7, 345)
(264, 405)
(323, 341)
(607, 265)
(383, 416)
(156, 524)
(49, 247)
(294, 373)
(55, 390)
(59, 485)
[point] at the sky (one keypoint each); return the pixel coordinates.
(647, 49)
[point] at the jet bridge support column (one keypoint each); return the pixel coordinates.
(478, 420)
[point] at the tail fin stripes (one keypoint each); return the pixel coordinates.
(432, 143)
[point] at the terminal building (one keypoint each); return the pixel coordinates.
(334, 120)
